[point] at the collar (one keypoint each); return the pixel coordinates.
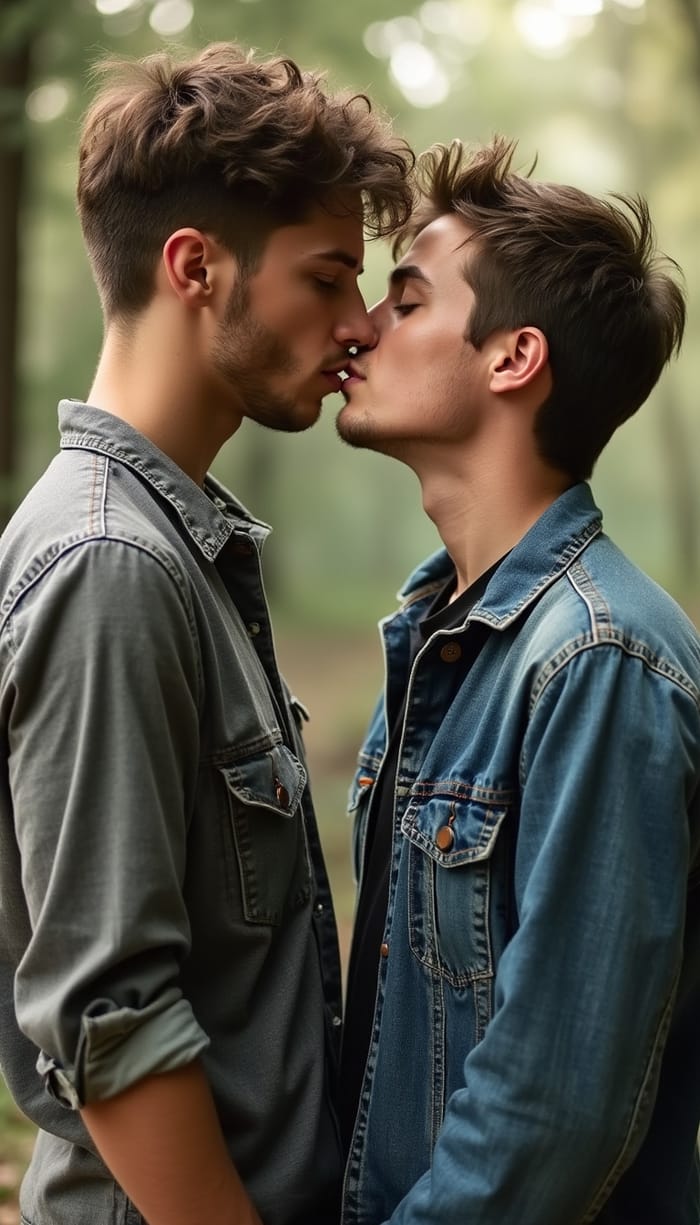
(542, 555)
(209, 513)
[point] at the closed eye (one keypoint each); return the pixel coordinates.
(405, 308)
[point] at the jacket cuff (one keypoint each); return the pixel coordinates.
(119, 1046)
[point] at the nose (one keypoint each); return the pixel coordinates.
(356, 328)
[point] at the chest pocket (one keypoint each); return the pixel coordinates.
(266, 820)
(455, 889)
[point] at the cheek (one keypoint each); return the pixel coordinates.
(305, 327)
(424, 362)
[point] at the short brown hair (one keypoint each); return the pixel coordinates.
(585, 271)
(226, 144)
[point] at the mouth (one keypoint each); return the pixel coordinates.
(334, 375)
(352, 376)
(333, 379)
(342, 376)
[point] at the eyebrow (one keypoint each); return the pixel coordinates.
(338, 256)
(409, 272)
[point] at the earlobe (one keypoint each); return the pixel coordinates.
(520, 358)
(185, 259)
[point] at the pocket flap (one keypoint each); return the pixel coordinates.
(451, 830)
(273, 780)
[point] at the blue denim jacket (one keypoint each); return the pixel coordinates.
(162, 892)
(535, 1055)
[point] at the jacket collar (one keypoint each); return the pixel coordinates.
(209, 514)
(545, 551)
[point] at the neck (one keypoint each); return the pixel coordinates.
(150, 378)
(482, 509)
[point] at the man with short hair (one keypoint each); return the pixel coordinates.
(168, 954)
(521, 1038)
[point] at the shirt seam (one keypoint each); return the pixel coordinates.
(26, 585)
(631, 647)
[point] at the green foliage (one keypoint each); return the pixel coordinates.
(618, 111)
(20, 22)
(16, 1140)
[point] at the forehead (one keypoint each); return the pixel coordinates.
(441, 250)
(333, 229)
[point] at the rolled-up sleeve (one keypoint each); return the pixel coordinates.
(103, 688)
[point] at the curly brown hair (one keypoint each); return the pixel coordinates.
(227, 144)
(585, 271)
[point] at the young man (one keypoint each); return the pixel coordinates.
(168, 958)
(521, 1042)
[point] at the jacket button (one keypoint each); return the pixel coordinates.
(282, 795)
(450, 653)
(384, 949)
(444, 838)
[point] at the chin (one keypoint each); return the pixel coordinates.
(293, 425)
(358, 433)
(290, 417)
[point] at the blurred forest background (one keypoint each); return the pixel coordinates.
(606, 93)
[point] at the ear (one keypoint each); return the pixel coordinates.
(185, 257)
(519, 358)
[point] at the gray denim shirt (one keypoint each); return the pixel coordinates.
(162, 891)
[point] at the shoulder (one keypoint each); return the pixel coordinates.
(79, 534)
(603, 602)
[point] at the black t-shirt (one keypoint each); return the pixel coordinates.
(370, 915)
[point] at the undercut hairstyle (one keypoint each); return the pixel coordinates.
(585, 271)
(230, 145)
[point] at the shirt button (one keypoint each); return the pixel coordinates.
(254, 628)
(450, 653)
(282, 795)
(337, 1021)
(444, 838)
(384, 949)
(319, 908)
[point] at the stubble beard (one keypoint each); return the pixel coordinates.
(356, 431)
(247, 355)
(359, 431)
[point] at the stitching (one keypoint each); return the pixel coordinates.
(630, 647)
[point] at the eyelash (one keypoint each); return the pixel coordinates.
(405, 308)
(325, 286)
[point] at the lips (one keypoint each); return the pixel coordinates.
(332, 375)
(353, 376)
(334, 380)
(341, 376)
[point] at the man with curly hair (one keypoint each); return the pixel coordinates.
(168, 954)
(521, 1040)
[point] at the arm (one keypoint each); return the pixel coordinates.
(555, 1098)
(162, 1141)
(104, 754)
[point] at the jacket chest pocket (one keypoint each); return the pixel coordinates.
(453, 882)
(263, 797)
